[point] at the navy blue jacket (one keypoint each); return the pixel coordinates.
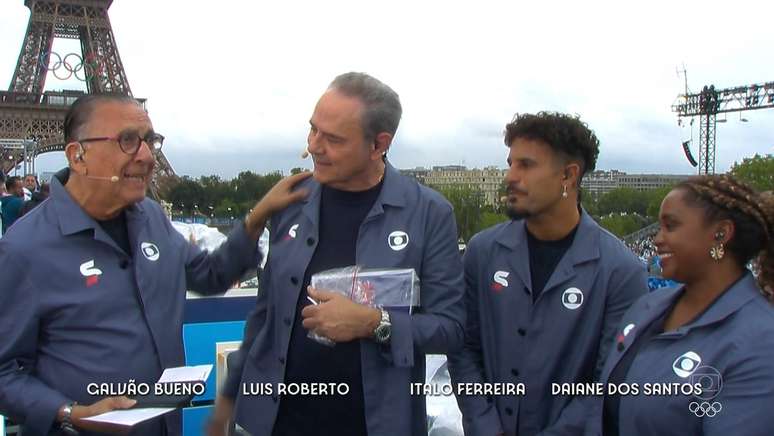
(729, 349)
(427, 243)
(76, 309)
(563, 337)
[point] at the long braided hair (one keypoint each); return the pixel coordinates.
(724, 197)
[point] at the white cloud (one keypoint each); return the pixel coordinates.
(244, 75)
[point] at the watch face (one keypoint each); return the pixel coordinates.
(383, 332)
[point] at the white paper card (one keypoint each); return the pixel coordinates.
(128, 417)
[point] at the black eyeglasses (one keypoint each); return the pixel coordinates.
(130, 142)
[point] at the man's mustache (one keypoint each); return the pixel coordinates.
(514, 190)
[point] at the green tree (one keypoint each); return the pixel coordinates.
(655, 197)
(622, 224)
(758, 171)
(590, 203)
(467, 202)
(226, 208)
(620, 200)
(490, 218)
(184, 195)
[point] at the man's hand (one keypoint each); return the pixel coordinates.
(338, 318)
(100, 407)
(224, 411)
(279, 197)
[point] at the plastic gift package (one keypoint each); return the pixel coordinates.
(384, 288)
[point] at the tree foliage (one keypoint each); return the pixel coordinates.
(467, 203)
(622, 224)
(758, 171)
(212, 196)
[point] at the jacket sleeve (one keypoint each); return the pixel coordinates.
(254, 324)
(479, 414)
(215, 272)
(745, 389)
(628, 282)
(23, 397)
(436, 328)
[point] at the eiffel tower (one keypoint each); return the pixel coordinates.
(31, 119)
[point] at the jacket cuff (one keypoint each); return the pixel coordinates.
(42, 415)
(400, 351)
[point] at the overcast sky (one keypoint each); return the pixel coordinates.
(232, 84)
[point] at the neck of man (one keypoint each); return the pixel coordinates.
(557, 221)
(711, 283)
(91, 203)
(370, 177)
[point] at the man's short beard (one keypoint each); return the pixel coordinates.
(516, 215)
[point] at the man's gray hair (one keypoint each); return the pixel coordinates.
(382, 110)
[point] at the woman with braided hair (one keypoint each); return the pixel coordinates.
(697, 358)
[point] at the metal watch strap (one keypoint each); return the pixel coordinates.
(67, 424)
(383, 322)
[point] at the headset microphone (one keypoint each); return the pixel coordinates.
(112, 179)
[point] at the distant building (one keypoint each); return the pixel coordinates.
(418, 173)
(490, 179)
(487, 180)
(601, 182)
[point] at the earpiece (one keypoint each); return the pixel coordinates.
(79, 153)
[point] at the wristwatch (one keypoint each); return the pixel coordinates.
(383, 331)
(67, 425)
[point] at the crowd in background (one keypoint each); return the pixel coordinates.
(18, 196)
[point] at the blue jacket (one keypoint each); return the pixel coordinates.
(729, 349)
(11, 206)
(76, 309)
(387, 371)
(563, 337)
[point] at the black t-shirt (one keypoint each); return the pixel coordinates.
(117, 229)
(341, 214)
(544, 256)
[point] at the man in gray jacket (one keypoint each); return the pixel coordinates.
(361, 211)
(545, 291)
(94, 279)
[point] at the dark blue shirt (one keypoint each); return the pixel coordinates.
(341, 214)
(10, 209)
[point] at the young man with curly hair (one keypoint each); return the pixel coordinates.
(545, 291)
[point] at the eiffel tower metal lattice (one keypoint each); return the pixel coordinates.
(27, 111)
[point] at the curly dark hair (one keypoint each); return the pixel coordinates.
(565, 134)
(724, 197)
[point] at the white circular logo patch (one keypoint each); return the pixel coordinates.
(572, 298)
(686, 364)
(398, 240)
(150, 251)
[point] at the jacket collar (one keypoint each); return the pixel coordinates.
(584, 247)
(728, 303)
(73, 219)
(393, 193)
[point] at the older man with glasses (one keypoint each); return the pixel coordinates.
(103, 300)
